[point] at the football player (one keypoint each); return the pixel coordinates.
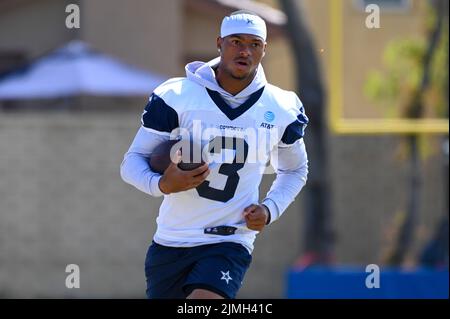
(210, 216)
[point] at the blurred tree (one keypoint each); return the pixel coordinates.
(414, 83)
(317, 230)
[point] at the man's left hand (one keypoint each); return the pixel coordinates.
(256, 217)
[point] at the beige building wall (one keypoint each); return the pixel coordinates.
(199, 34)
(158, 35)
(33, 27)
(144, 33)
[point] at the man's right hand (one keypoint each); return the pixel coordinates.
(176, 180)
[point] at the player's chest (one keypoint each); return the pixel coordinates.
(210, 120)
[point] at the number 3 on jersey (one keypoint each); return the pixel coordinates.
(230, 170)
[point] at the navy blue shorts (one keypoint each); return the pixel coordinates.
(174, 272)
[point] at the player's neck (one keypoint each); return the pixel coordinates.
(231, 84)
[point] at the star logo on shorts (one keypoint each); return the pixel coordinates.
(226, 276)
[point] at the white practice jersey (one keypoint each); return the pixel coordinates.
(237, 142)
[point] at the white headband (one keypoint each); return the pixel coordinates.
(243, 23)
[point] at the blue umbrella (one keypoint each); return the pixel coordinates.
(73, 70)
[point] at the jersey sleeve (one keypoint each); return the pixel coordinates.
(159, 117)
(290, 161)
(158, 121)
(135, 169)
(291, 166)
(296, 129)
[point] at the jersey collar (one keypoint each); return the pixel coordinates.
(233, 113)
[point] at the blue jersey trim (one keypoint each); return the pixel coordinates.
(159, 116)
(241, 109)
(295, 130)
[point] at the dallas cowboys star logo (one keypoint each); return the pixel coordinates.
(250, 21)
(226, 276)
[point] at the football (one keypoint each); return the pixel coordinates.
(191, 155)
